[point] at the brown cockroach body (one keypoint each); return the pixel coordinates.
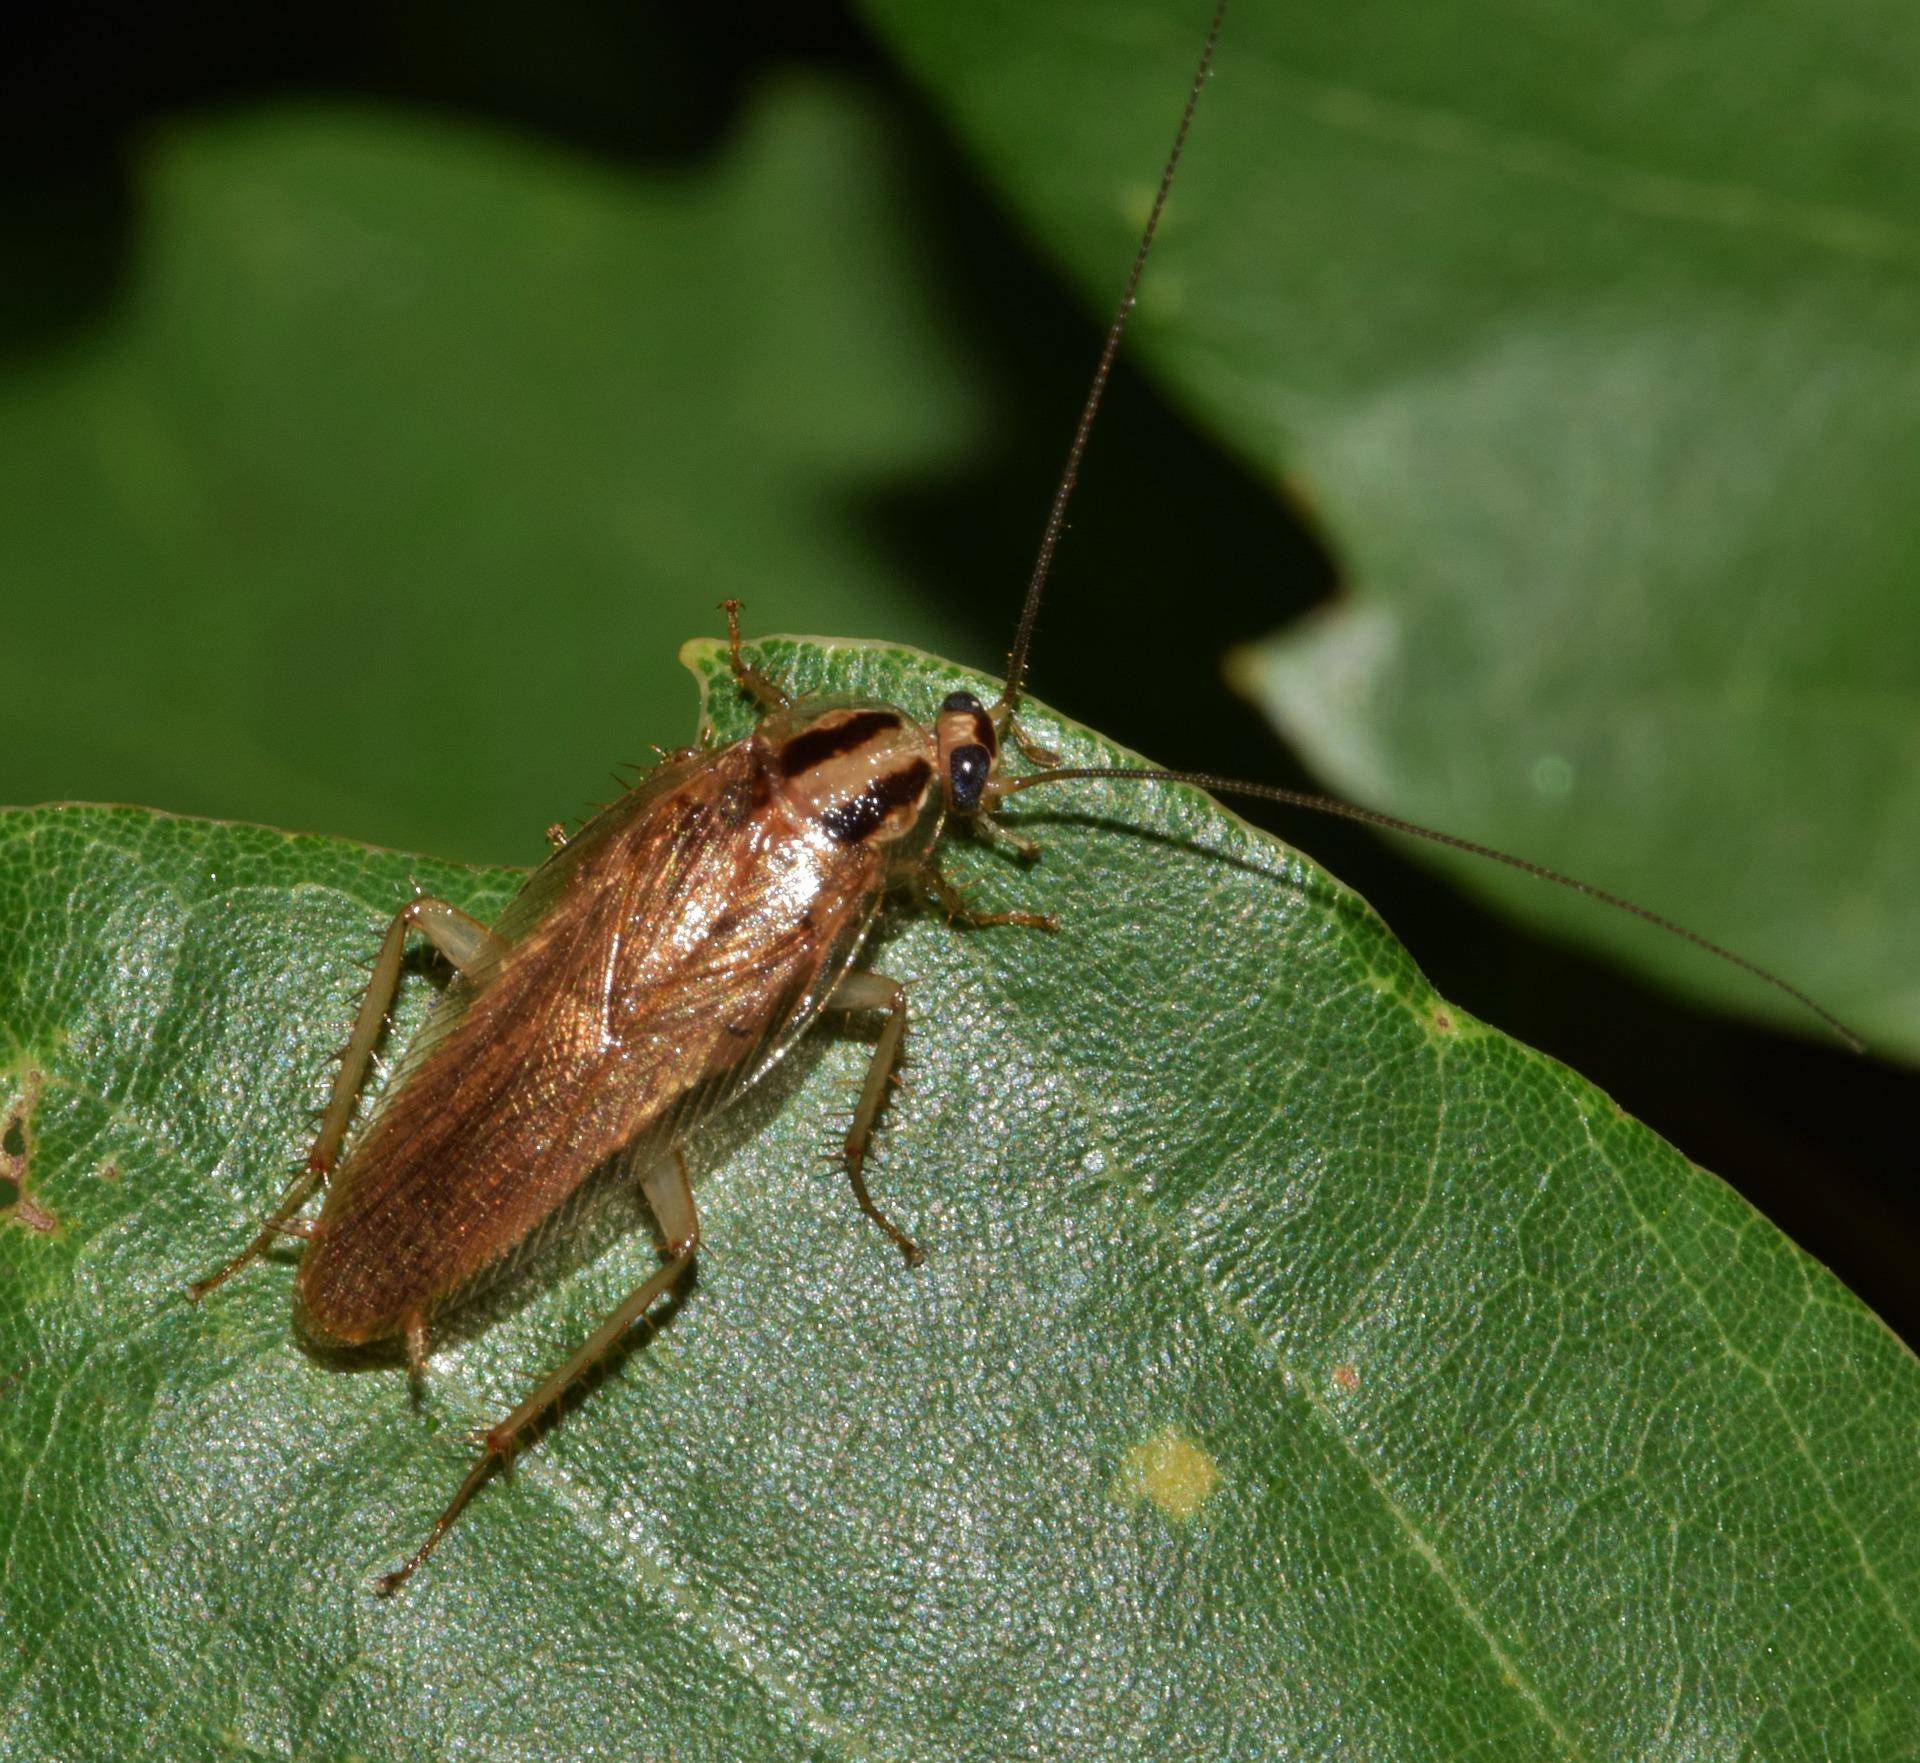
(659, 962)
(650, 970)
(653, 967)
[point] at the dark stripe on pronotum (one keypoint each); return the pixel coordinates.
(821, 743)
(850, 822)
(967, 705)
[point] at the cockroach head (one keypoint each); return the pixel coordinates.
(969, 752)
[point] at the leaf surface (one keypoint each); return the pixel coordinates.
(1300, 1368)
(1592, 344)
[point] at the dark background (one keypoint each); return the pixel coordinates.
(1802, 1129)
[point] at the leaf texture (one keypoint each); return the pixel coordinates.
(1300, 1367)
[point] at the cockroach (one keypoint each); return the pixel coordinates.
(661, 960)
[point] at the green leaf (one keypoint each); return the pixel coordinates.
(1300, 1368)
(1593, 345)
(380, 495)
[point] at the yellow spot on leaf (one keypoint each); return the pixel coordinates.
(1170, 1470)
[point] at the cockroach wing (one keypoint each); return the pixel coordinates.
(643, 976)
(611, 838)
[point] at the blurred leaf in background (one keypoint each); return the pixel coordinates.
(385, 492)
(1592, 340)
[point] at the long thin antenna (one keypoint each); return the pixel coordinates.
(1070, 474)
(1226, 786)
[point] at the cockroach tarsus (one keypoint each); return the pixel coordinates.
(662, 958)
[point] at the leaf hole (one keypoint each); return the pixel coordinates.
(17, 1206)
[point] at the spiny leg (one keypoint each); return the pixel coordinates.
(953, 904)
(1006, 724)
(988, 827)
(671, 1197)
(276, 1224)
(874, 991)
(463, 940)
(751, 680)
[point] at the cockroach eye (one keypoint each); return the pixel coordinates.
(961, 701)
(967, 771)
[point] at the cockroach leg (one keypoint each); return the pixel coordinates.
(751, 680)
(1022, 847)
(1006, 724)
(671, 1195)
(953, 906)
(463, 940)
(415, 1334)
(874, 991)
(272, 1228)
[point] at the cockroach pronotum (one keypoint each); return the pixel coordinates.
(658, 963)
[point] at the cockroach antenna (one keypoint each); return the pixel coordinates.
(1228, 786)
(1004, 711)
